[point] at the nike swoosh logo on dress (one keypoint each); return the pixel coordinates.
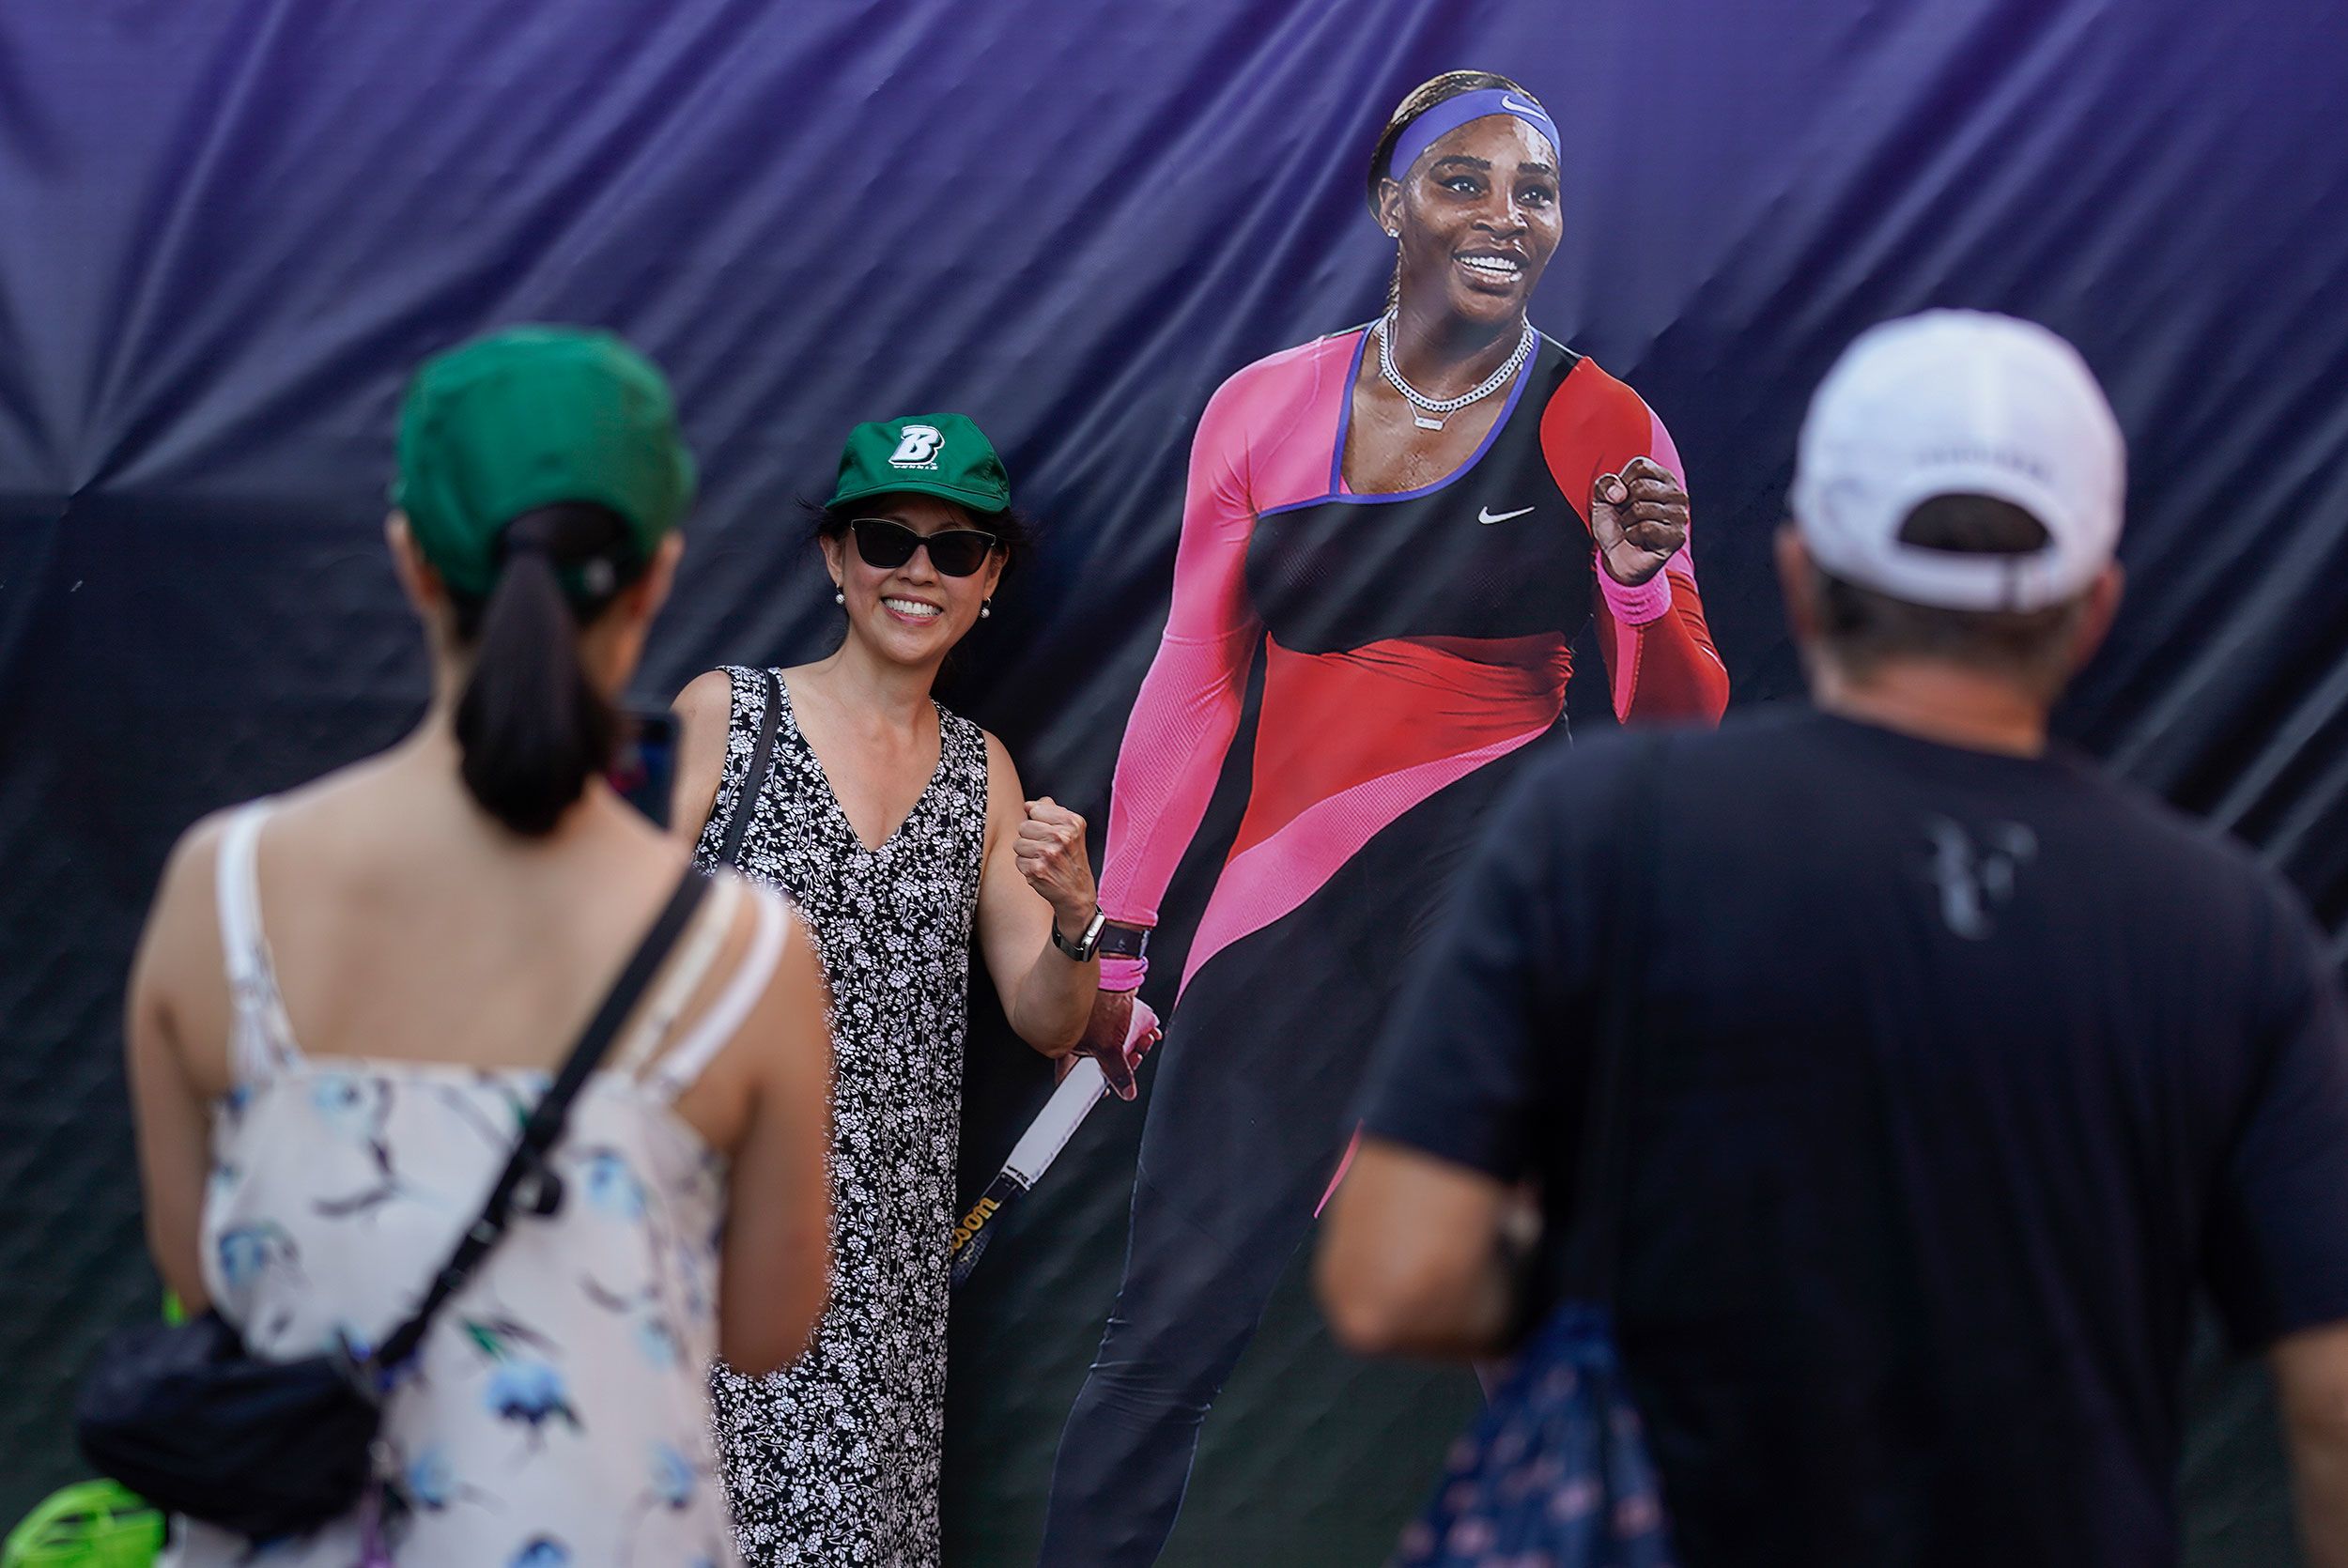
(1485, 515)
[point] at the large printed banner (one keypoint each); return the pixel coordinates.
(231, 228)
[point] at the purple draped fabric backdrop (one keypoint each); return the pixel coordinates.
(230, 228)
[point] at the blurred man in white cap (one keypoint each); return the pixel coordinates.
(1955, 1066)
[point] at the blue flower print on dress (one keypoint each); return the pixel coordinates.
(531, 1392)
(248, 1252)
(547, 1421)
(431, 1479)
(673, 1477)
(660, 1342)
(342, 1101)
(611, 1187)
(357, 1112)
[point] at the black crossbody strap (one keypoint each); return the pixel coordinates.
(544, 1128)
(1595, 1250)
(754, 781)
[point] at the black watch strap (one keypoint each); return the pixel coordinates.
(1121, 941)
(1086, 944)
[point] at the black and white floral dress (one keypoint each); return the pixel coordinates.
(835, 1460)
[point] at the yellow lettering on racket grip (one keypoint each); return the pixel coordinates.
(973, 1221)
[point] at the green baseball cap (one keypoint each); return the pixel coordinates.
(526, 418)
(934, 454)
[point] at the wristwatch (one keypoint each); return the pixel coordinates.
(1086, 946)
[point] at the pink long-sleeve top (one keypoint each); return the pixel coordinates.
(1409, 639)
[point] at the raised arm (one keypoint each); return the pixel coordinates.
(1604, 444)
(1037, 874)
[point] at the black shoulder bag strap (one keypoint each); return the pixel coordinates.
(1593, 1255)
(754, 781)
(544, 1128)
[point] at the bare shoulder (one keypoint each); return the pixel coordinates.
(1006, 798)
(706, 703)
(177, 969)
(705, 714)
(997, 754)
(1002, 773)
(192, 869)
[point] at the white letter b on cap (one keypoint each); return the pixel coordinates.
(917, 448)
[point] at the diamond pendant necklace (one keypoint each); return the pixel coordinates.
(1430, 413)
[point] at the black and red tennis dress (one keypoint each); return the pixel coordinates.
(1412, 644)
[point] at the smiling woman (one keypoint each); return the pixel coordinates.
(895, 826)
(1410, 543)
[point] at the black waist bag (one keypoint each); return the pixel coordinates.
(194, 1422)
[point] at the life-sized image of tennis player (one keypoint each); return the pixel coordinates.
(901, 831)
(1408, 524)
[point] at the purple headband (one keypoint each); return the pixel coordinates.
(1453, 112)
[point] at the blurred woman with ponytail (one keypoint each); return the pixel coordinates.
(349, 996)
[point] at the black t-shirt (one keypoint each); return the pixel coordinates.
(1955, 1073)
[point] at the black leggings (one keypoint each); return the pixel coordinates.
(1250, 1114)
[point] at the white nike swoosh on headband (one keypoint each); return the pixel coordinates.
(1510, 103)
(1485, 515)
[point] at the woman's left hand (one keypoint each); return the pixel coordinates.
(1051, 854)
(1639, 518)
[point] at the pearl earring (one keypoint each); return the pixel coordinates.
(839, 595)
(986, 607)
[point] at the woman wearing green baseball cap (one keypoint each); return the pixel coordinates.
(897, 828)
(349, 996)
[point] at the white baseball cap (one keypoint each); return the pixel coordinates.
(1960, 403)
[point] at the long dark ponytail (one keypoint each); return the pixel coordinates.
(531, 727)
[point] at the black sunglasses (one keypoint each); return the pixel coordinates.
(956, 552)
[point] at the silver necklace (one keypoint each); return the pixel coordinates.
(1429, 413)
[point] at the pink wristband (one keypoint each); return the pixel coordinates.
(1118, 973)
(1635, 606)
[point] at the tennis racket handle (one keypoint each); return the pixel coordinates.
(1065, 1111)
(971, 1235)
(966, 1257)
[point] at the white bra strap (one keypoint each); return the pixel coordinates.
(676, 1073)
(684, 978)
(236, 885)
(260, 1039)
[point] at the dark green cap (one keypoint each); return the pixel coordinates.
(935, 455)
(526, 418)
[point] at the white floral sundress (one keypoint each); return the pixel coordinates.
(557, 1415)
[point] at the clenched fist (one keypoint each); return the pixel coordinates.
(1051, 855)
(1639, 518)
